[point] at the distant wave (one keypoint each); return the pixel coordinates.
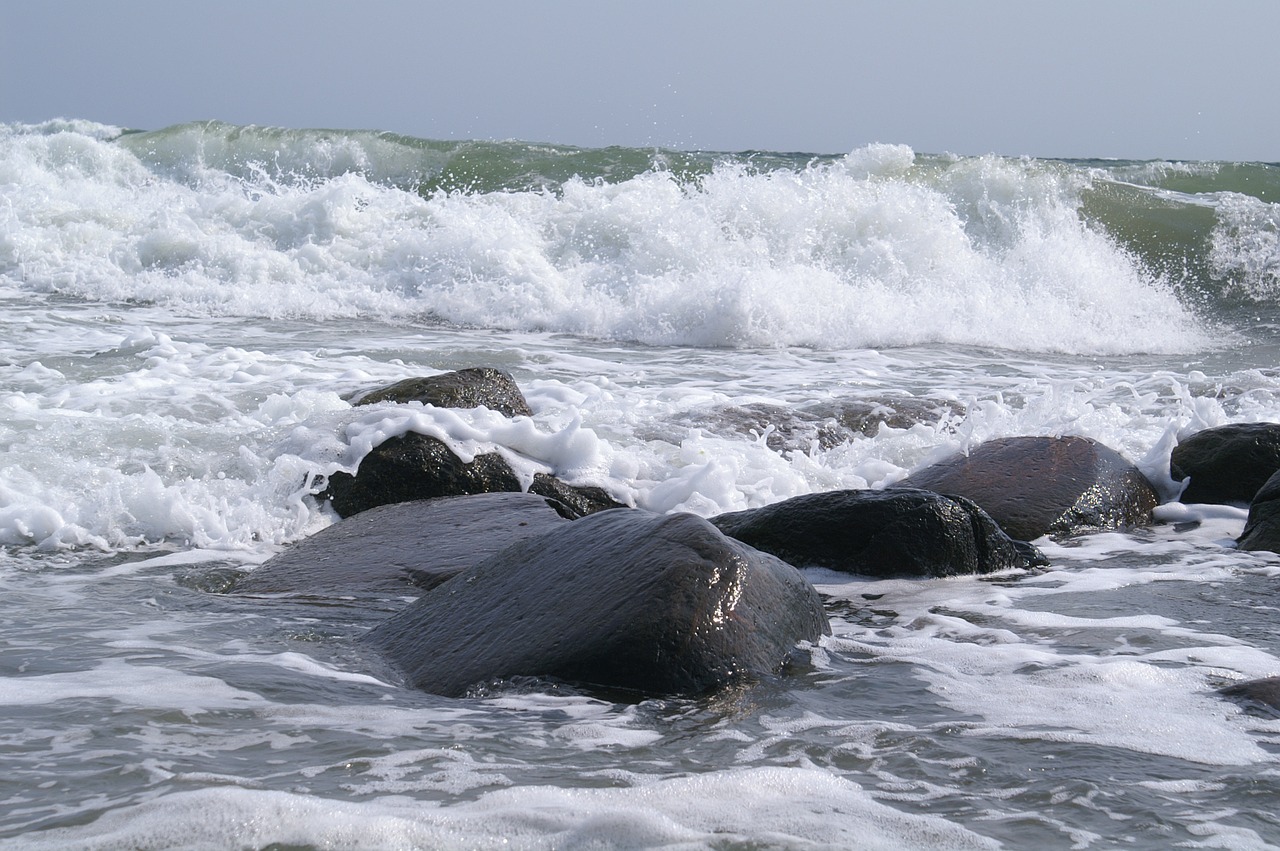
(877, 248)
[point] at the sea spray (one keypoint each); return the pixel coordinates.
(879, 248)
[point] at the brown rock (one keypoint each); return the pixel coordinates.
(1033, 486)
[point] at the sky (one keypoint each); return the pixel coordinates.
(1134, 79)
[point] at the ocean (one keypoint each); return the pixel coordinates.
(186, 312)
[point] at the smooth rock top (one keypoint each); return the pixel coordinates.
(1034, 486)
(881, 533)
(654, 604)
(464, 388)
(406, 547)
(1226, 464)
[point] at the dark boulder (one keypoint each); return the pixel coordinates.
(1262, 529)
(414, 466)
(464, 388)
(1033, 486)
(405, 548)
(655, 604)
(581, 500)
(881, 533)
(1226, 464)
(1264, 692)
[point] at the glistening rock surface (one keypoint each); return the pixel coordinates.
(901, 532)
(1033, 486)
(653, 604)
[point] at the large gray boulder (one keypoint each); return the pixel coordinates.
(902, 532)
(405, 548)
(653, 604)
(1226, 464)
(463, 388)
(1034, 486)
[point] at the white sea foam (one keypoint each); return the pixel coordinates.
(785, 807)
(865, 252)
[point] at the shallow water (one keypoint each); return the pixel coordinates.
(181, 330)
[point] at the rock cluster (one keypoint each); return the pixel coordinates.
(549, 584)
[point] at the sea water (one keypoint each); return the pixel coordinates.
(184, 314)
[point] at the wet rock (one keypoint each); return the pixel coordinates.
(1033, 486)
(464, 388)
(1264, 692)
(581, 500)
(655, 604)
(405, 548)
(414, 466)
(901, 532)
(1262, 529)
(1226, 464)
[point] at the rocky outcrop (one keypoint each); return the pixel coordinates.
(1034, 486)
(901, 532)
(414, 466)
(1262, 529)
(1226, 464)
(405, 548)
(464, 388)
(652, 604)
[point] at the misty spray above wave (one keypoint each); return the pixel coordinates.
(874, 249)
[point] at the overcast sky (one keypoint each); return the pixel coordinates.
(1178, 79)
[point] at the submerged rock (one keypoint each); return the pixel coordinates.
(407, 547)
(464, 388)
(881, 533)
(866, 416)
(413, 466)
(656, 604)
(829, 423)
(1226, 464)
(1262, 529)
(1265, 692)
(1033, 486)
